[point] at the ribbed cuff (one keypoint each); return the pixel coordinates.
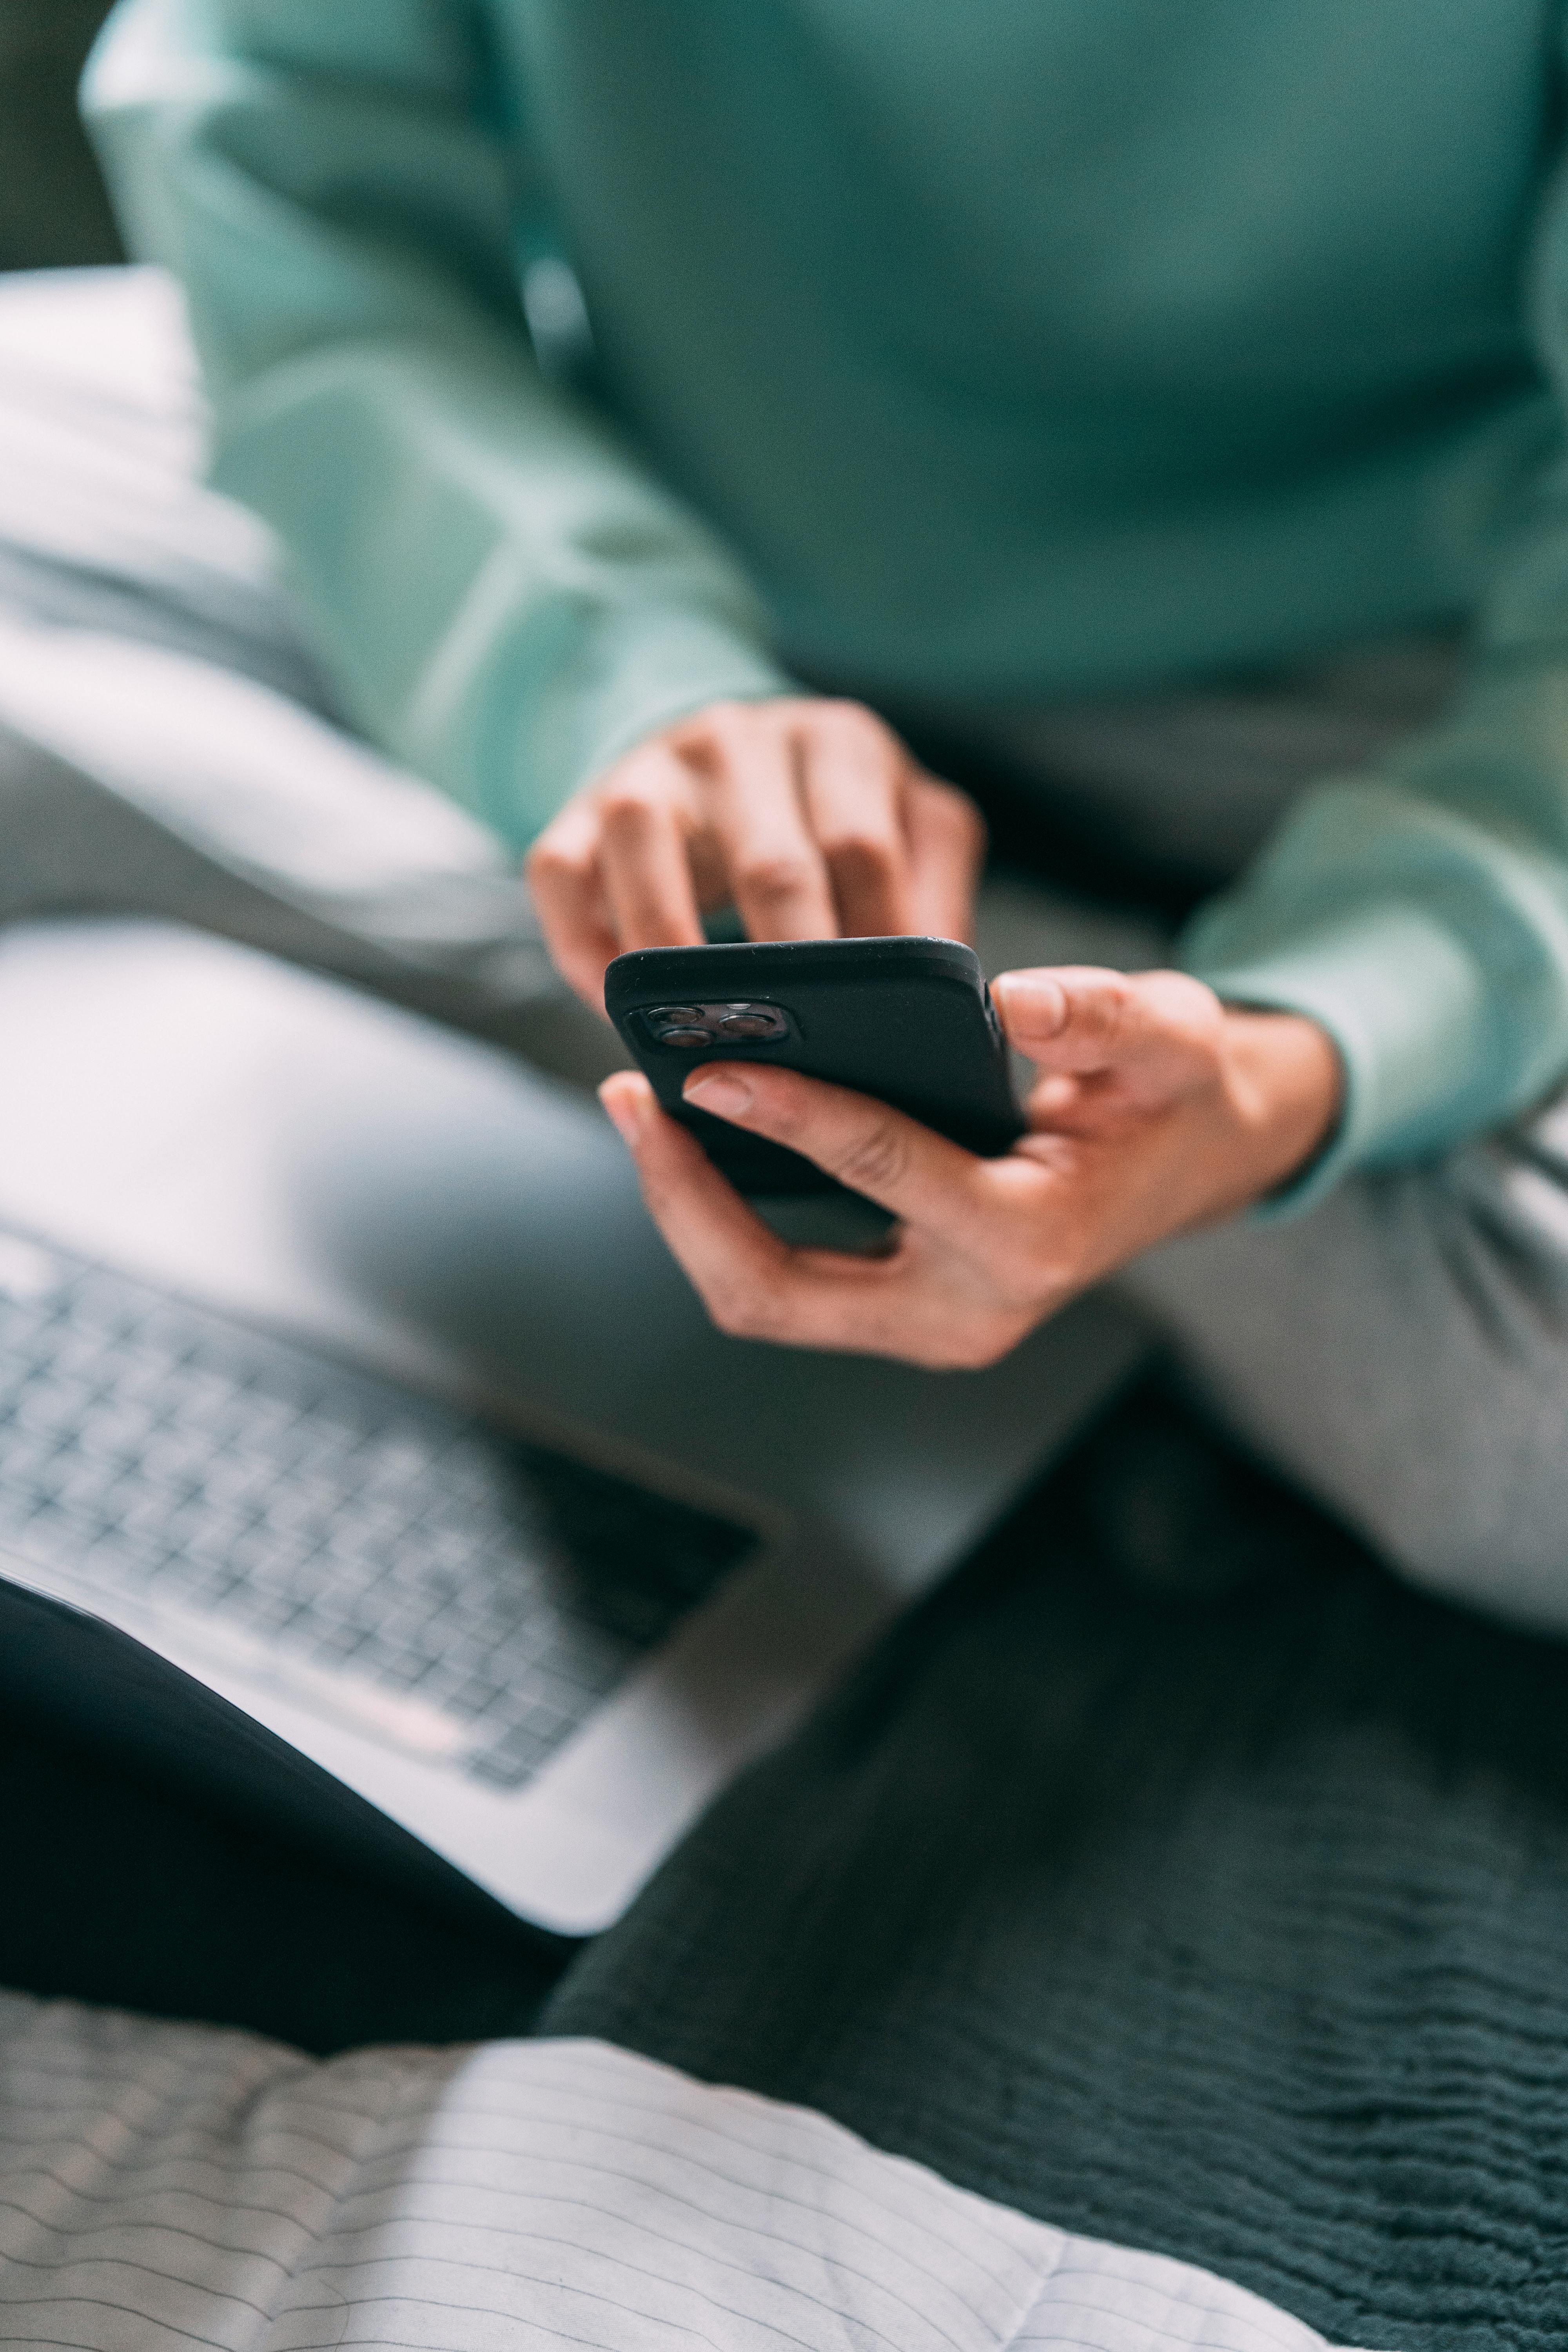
(1406, 1005)
(631, 673)
(657, 665)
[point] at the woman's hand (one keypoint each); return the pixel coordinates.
(810, 817)
(1156, 1110)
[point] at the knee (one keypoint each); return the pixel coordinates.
(1498, 1543)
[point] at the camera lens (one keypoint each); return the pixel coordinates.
(751, 1020)
(680, 1024)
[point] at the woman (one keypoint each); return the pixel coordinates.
(1134, 395)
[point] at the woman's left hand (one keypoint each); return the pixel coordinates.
(1156, 1110)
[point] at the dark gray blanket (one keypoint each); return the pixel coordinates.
(1177, 1876)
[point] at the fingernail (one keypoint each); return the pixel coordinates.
(1034, 1002)
(624, 1109)
(724, 1092)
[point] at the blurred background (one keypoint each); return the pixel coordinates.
(53, 210)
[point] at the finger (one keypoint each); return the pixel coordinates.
(562, 874)
(1080, 1018)
(717, 1240)
(946, 836)
(752, 1285)
(1054, 1099)
(646, 808)
(853, 774)
(877, 1152)
(752, 802)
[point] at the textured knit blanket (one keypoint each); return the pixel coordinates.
(1179, 1876)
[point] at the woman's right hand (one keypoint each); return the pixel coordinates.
(810, 817)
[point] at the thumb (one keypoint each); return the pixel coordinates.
(1082, 1020)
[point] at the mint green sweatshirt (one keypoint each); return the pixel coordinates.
(976, 353)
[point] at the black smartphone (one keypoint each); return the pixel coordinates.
(909, 1021)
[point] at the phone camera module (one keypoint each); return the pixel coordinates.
(688, 1026)
(751, 1020)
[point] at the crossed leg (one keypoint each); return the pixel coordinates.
(1401, 1352)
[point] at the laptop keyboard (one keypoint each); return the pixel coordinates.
(151, 1448)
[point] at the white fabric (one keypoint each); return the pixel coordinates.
(168, 2185)
(167, 745)
(104, 521)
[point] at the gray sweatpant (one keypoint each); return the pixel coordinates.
(1402, 1351)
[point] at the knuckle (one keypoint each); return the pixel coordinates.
(727, 1312)
(858, 849)
(550, 861)
(1188, 1005)
(629, 800)
(973, 1349)
(876, 1160)
(980, 1350)
(859, 730)
(648, 759)
(962, 819)
(744, 1310)
(950, 815)
(968, 824)
(1043, 1288)
(1104, 1013)
(732, 724)
(774, 876)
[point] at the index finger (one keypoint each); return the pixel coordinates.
(752, 1283)
(874, 1150)
(643, 811)
(947, 850)
(563, 871)
(748, 769)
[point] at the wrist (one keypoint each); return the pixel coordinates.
(1285, 1084)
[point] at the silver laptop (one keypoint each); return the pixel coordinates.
(345, 1374)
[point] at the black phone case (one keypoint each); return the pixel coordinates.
(908, 1020)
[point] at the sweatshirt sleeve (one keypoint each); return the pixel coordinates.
(1420, 914)
(507, 598)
